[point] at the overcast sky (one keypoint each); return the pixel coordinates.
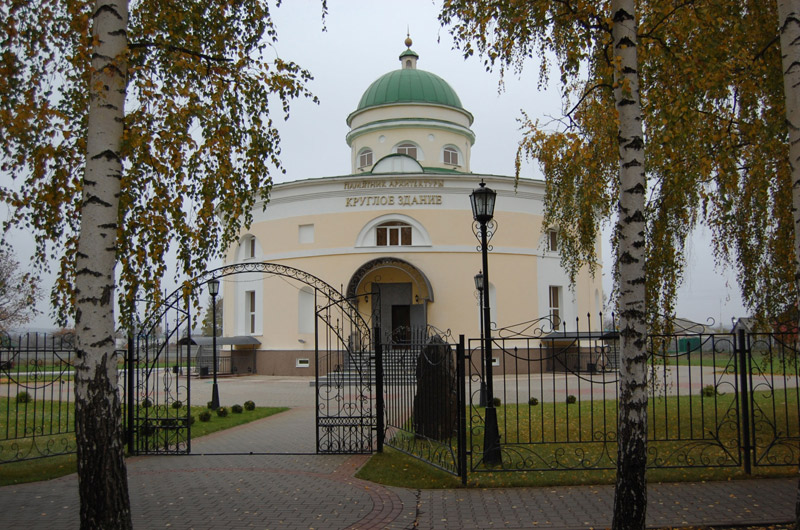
(363, 41)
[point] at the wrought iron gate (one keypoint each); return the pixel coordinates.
(159, 367)
(421, 375)
(346, 421)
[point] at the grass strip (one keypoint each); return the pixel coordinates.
(57, 466)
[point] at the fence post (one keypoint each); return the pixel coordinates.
(461, 403)
(379, 388)
(131, 366)
(744, 400)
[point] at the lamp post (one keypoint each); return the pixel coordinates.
(479, 287)
(483, 201)
(213, 289)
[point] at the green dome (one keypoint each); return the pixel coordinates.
(409, 86)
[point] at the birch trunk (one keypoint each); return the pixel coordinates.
(630, 492)
(789, 26)
(103, 484)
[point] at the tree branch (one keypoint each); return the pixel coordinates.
(181, 49)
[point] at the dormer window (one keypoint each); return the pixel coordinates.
(408, 149)
(393, 234)
(365, 158)
(451, 156)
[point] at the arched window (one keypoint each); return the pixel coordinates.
(248, 248)
(365, 158)
(393, 234)
(450, 156)
(408, 149)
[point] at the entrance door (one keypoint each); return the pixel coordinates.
(401, 324)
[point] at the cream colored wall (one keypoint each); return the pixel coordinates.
(519, 266)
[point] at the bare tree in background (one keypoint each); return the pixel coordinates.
(18, 294)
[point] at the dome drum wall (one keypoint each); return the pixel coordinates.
(432, 150)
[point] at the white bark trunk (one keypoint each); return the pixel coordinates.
(630, 493)
(101, 466)
(789, 26)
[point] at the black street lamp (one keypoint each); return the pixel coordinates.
(213, 290)
(479, 287)
(483, 201)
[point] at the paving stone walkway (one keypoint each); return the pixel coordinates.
(209, 490)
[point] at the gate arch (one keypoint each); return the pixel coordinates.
(157, 382)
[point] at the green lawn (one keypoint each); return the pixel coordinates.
(16, 419)
(690, 433)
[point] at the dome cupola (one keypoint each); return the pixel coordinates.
(410, 112)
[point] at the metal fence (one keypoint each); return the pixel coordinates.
(36, 413)
(715, 400)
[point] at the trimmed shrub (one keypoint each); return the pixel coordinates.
(533, 402)
(192, 419)
(146, 403)
(205, 416)
(571, 400)
(177, 404)
(147, 429)
(496, 402)
(222, 412)
(24, 397)
(249, 405)
(209, 405)
(237, 409)
(708, 391)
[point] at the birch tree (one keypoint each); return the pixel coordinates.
(129, 127)
(604, 36)
(789, 27)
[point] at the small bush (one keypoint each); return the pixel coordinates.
(209, 405)
(249, 405)
(147, 429)
(708, 391)
(533, 402)
(146, 403)
(496, 402)
(571, 399)
(24, 397)
(237, 409)
(222, 412)
(205, 416)
(192, 419)
(177, 404)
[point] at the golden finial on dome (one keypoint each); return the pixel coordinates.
(408, 41)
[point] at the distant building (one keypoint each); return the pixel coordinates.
(399, 223)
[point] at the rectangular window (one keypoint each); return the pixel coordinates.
(251, 247)
(305, 234)
(305, 311)
(250, 311)
(393, 234)
(405, 233)
(302, 363)
(555, 306)
(552, 241)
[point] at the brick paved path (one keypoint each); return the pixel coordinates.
(299, 491)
